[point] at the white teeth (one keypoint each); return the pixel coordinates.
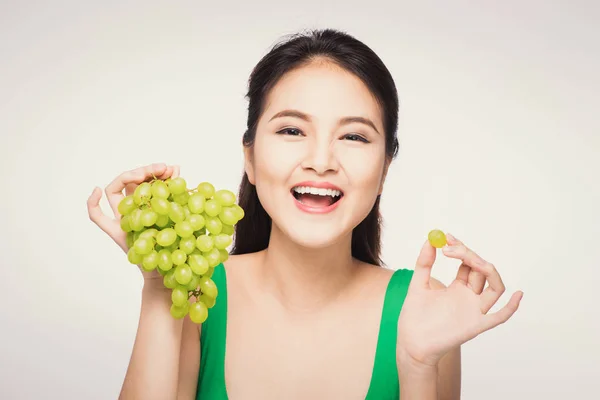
(317, 191)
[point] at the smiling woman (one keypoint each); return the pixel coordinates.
(305, 308)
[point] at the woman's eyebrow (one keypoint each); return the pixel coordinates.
(307, 118)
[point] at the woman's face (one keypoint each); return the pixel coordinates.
(321, 128)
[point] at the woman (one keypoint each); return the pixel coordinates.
(305, 309)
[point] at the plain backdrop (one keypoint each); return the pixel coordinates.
(500, 145)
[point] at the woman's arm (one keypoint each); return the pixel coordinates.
(154, 366)
(189, 360)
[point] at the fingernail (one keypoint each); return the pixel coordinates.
(450, 236)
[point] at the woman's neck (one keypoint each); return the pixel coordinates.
(303, 279)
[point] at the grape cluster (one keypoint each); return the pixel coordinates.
(184, 235)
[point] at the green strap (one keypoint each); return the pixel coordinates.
(384, 381)
(211, 379)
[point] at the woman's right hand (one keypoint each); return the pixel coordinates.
(127, 182)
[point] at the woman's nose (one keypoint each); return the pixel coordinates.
(321, 157)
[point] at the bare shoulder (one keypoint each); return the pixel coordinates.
(239, 269)
(374, 276)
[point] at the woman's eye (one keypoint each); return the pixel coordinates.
(290, 131)
(354, 137)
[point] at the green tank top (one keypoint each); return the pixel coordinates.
(384, 379)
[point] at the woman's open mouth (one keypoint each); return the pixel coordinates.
(316, 200)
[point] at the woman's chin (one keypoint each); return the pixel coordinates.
(314, 239)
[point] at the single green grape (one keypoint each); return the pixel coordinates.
(179, 257)
(179, 312)
(213, 257)
(212, 208)
(125, 226)
(149, 233)
(148, 217)
(239, 212)
(179, 295)
(208, 287)
(135, 220)
(188, 244)
(183, 274)
(204, 243)
(228, 216)
(214, 225)
(169, 279)
(126, 205)
(196, 221)
(143, 193)
(437, 238)
(134, 257)
(194, 282)
(150, 261)
(206, 189)
(224, 255)
(162, 220)
(176, 212)
(225, 197)
(184, 229)
(227, 229)
(166, 237)
(177, 185)
(143, 246)
(160, 206)
(196, 203)
(160, 190)
(181, 198)
(198, 312)
(222, 241)
(208, 301)
(165, 262)
(198, 264)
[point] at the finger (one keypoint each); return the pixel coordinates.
(424, 265)
(95, 212)
(463, 273)
(168, 172)
(475, 279)
(130, 188)
(114, 191)
(501, 316)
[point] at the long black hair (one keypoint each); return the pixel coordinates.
(253, 231)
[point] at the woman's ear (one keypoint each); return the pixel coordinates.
(249, 164)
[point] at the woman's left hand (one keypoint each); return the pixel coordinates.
(434, 321)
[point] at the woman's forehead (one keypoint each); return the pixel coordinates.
(323, 93)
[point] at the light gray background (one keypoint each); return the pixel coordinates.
(499, 145)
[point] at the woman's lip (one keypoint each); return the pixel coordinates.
(316, 210)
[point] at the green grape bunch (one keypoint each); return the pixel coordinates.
(176, 236)
(183, 234)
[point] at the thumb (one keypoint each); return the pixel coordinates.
(423, 266)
